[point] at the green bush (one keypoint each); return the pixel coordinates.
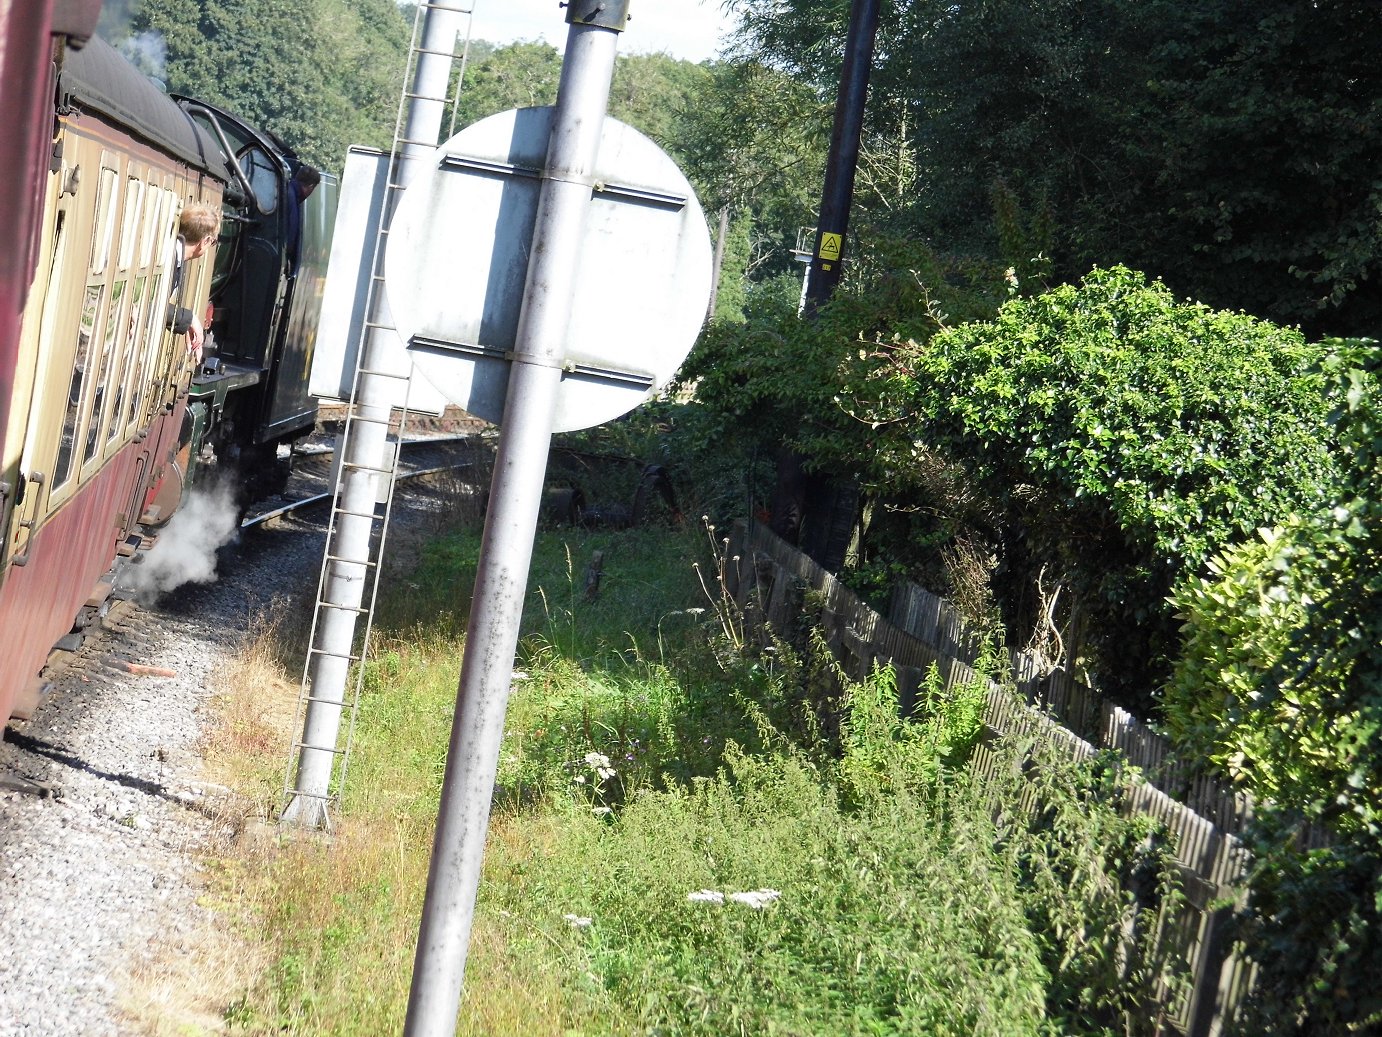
(1279, 683)
(1280, 686)
(1120, 437)
(880, 747)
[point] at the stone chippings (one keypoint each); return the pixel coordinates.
(104, 876)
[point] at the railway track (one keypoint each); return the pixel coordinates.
(314, 468)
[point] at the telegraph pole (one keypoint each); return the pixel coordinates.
(806, 508)
(843, 161)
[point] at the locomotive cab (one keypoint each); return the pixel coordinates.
(250, 399)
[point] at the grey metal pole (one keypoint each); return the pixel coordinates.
(367, 452)
(511, 522)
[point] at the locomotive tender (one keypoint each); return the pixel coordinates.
(106, 419)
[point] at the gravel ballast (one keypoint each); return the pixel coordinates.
(99, 880)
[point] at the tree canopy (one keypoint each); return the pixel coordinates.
(320, 74)
(1228, 148)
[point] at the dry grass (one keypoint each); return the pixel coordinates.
(184, 990)
(306, 934)
(246, 745)
(280, 903)
(186, 986)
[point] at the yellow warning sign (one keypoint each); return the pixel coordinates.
(830, 246)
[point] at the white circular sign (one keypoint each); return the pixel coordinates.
(457, 262)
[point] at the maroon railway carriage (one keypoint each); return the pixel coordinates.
(93, 385)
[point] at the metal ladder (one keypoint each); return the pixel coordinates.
(355, 415)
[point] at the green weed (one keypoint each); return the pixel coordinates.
(691, 835)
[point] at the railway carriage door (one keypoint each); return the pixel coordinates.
(103, 401)
(147, 399)
(65, 342)
(34, 465)
(93, 337)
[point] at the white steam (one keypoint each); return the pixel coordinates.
(148, 52)
(186, 548)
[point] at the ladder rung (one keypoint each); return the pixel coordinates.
(303, 792)
(342, 608)
(355, 514)
(366, 468)
(333, 655)
(328, 702)
(383, 374)
(427, 97)
(435, 50)
(350, 561)
(369, 419)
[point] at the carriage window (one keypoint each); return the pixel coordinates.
(66, 450)
(104, 229)
(109, 341)
(126, 361)
(129, 226)
(140, 398)
(123, 412)
(262, 173)
(151, 214)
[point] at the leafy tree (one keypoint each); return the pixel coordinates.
(365, 48)
(658, 95)
(321, 75)
(732, 295)
(1227, 147)
(1265, 137)
(521, 75)
(756, 143)
(1280, 686)
(651, 92)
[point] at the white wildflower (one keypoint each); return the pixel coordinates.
(706, 896)
(757, 899)
(604, 773)
(579, 779)
(578, 921)
(596, 761)
(601, 811)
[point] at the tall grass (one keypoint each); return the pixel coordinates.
(676, 849)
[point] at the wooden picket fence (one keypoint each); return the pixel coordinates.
(770, 581)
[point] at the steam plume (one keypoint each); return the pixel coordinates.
(148, 52)
(186, 548)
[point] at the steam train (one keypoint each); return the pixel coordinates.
(106, 419)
